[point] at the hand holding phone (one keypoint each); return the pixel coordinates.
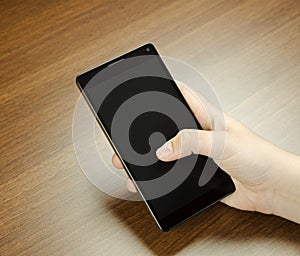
(254, 164)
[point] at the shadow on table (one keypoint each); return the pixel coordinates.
(218, 223)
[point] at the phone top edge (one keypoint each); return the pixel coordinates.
(117, 58)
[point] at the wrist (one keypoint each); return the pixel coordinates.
(286, 189)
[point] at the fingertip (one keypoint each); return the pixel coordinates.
(165, 151)
(130, 186)
(117, 162)
(159, 152)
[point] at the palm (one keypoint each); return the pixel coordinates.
(240, 158)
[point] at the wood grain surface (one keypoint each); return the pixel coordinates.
(248, 50)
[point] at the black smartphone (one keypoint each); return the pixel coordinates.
(139, 106)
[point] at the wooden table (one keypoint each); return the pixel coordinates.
(248, 50)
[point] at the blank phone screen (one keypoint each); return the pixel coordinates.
(140, 107)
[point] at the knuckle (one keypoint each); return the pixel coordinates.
(182, 135)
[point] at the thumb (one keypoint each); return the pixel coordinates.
(186, 142)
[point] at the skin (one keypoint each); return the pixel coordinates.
(267, 178)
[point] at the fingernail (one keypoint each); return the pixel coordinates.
(165, 151)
